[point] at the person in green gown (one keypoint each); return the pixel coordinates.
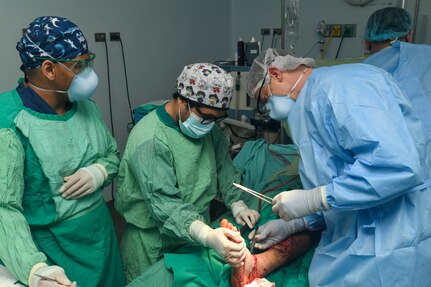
(175, 162)
(56, 156)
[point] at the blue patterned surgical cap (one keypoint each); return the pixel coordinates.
(50, 37)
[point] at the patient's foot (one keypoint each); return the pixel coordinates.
(260, 282)
(261, 265)
(240, 276)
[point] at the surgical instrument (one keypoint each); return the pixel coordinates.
(253, 240)
(50, 279)
(254, 193)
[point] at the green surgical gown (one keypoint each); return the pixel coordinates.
(36, 224)
(166, 181)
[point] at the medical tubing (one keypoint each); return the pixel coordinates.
(109, 91)
(110, 105)
(318, 42)
(325, 47)
(339, 46)
(127, 82)
(272, 41)
(278, 155)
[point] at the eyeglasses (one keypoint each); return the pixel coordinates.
(78, 66)
(261, 106)
(207, 119)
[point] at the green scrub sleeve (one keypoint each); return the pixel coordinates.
(227, 173)
(111, 161)
(17, 249)
(152, 165)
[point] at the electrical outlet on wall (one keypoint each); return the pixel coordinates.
(115, 36)
(349, 30)
(100, 37)
(336, 30)
(265, 31)
(340, 30)
(277, 31)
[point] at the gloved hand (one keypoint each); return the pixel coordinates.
(83, 182)
(243, 214)
(275, 231)
(225, 242)
(54, 272)
(300, 202)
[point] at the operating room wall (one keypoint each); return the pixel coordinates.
(159, 37)
(249, 16)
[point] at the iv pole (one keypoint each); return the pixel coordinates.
(283, 28)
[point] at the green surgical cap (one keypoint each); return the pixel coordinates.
(388, 24)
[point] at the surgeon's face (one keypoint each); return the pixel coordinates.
(207, 115)
(261, 97)
(68, 69)
(267, 89)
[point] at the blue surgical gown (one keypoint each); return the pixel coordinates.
(410, 65)
(358, 136)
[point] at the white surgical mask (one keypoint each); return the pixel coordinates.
(193, 126)
(279, 106)
(82, 87)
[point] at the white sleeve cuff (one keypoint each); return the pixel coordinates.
(199, 231)
(36, 267)
(97, 174)
(237, 207)
(322, 190)
(102, 169)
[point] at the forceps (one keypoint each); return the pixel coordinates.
(246, 229)
(253, 240)
(50, 279)
(261, 196)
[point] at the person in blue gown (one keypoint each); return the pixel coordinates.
(388, 37)
(365, 170)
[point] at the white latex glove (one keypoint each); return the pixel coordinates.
(83, 182)
(54, 272)
(225, 242)
(275, 231)
(243, 214)
(298, 203)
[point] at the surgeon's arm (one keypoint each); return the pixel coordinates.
(227, 174)
(111, 160)
(17, 249)
(175, 217)
(99, 174)
(373, 132)
(153, 167)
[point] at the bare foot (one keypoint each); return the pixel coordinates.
(260, 265)
(243, 275)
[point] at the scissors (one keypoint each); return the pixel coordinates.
(50, 279)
